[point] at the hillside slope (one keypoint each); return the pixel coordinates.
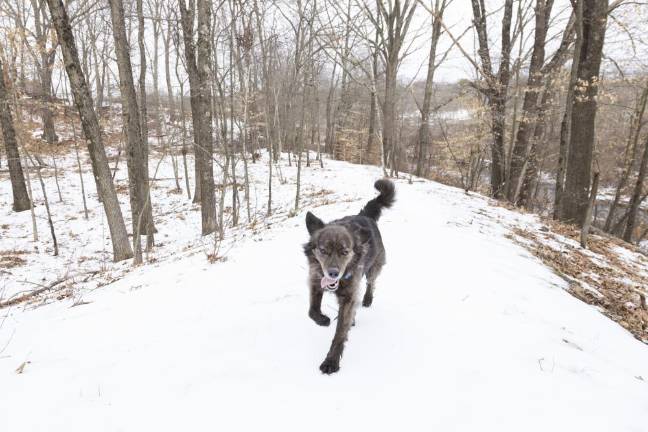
(468, 331)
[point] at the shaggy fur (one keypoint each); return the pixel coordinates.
(346, 249)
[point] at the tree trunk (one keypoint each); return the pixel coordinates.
(424, 128)
(83, 101)
(581, 141)
(630, 154)
(635, 201)
(19, 189)
(183, 117)
(496, 88)
(389, 112)
(530, 107)
(173, 115)
(330, 120)
(373, 109)
(565, 125)
(525, 196)
(498, 168)
(49, 133)
(187, 18)
(156, 79)
(137, 173)
(198, 70)
(44, 66)
(587, 222)
(147, 213)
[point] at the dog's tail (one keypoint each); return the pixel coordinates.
(385, 200)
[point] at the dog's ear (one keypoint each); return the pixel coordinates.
(313, 223)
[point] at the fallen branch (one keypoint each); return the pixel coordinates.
(24, 297)
(163, 178)
(20, 298)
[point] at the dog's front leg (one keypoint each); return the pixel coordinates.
(346, 317)
(315, 310)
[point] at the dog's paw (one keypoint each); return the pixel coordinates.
(320, 318)
(367, 300)
(330, 366)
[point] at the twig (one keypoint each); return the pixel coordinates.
(31, 294)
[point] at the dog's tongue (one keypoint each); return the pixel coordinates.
(329, 283)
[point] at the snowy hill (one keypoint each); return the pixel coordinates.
(468, 330)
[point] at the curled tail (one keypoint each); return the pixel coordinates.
(385, 200)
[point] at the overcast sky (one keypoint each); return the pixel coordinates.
(627, 45)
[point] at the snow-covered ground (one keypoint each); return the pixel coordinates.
(468, 330)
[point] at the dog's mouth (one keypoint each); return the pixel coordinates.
(330, 284)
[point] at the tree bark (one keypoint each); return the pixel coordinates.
(397, 17)
(187, 19)
(198, 61)
(529, 174)
(581, 141)
(147, 214)
(137, 172)
(21, 200)
(330, 118)
(44, 66)
(49, 132)
(587, 222)
(530, 106)
(424, 128)
(565, 125)
(496, 88)
(373, 108)
(173, 115)
(630, 154)
(635, 201)
(91, 128)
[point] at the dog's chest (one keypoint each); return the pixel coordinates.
(346, 287)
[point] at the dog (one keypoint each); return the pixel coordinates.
(339, 254)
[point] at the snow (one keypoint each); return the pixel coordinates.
(630, 257)
(468, 330)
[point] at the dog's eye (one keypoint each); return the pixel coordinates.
(323, 251)
(344, 252)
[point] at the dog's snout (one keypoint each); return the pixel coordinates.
(333, 273)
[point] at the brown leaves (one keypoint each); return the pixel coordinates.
(11, 259)
(600, 276)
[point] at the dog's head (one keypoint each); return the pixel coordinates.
(335, 248)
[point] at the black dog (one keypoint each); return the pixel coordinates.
(339, 254)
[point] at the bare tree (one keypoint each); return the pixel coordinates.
(183, 118)
(197, 61)
(391, 21)
(581, 143)
(630, 153)
(537, 97)
(136, 161)
(495, 86)
(44, 57)
(531, 94)
(21, 200)
(267, 69)
(636, 199)
(92, 130)
(423, 144)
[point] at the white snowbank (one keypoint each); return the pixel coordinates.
(468, 331)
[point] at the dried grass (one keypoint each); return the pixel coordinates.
(598, 275)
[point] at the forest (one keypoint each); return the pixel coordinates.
(539, 104)
(166, 165)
